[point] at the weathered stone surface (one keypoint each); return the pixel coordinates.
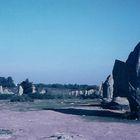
(108, 87)
(7, 91)
(120, 76)
(121, 100)
(133, 64)
(101, 90)
(127, 80)
(134, 100)
(43, 91)
(20, 90)
(1, 90)
(33, 89)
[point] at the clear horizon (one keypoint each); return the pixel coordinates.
(73, 41)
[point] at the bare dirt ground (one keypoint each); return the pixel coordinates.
(53, 125)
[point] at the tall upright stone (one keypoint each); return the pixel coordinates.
(126, 77)
(120, 76)
(101, 90)
(108, 87)
(33, 89)
(20, 90)
(1, 90)
(133, 64)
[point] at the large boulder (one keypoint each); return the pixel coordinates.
(133, 63)
(7, 91)
(126, 78)
(120, 76)
(121, 101)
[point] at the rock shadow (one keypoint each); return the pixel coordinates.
(85, 112)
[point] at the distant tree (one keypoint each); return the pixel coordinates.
(10, 82)
(7, 82)
(27, 86)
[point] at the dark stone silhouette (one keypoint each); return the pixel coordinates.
(134, 101)
(126, 78)
(120, 76)
(133, 64)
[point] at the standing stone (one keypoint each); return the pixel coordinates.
(108, 88)
(81, 92)
(101, 90)
(120, 76)
(86, 93)
(134, 101)
(7, 91)
(91, 91)
(43, 91)
(133, 63)
(20, 90)
(1, 89)
(127, 80)
(33, 89)
(76, 93)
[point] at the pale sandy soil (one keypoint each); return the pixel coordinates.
(33, 121)
(51, 125)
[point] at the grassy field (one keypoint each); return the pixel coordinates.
(44, 104)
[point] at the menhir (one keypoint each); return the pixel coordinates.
(133, 64)
(108, 88)
(126, 76)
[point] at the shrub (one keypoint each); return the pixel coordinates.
(23, 98)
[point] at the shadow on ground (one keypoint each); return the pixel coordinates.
(81, 112)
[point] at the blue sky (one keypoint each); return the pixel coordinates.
(66, 41)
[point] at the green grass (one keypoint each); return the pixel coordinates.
(41, 104)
